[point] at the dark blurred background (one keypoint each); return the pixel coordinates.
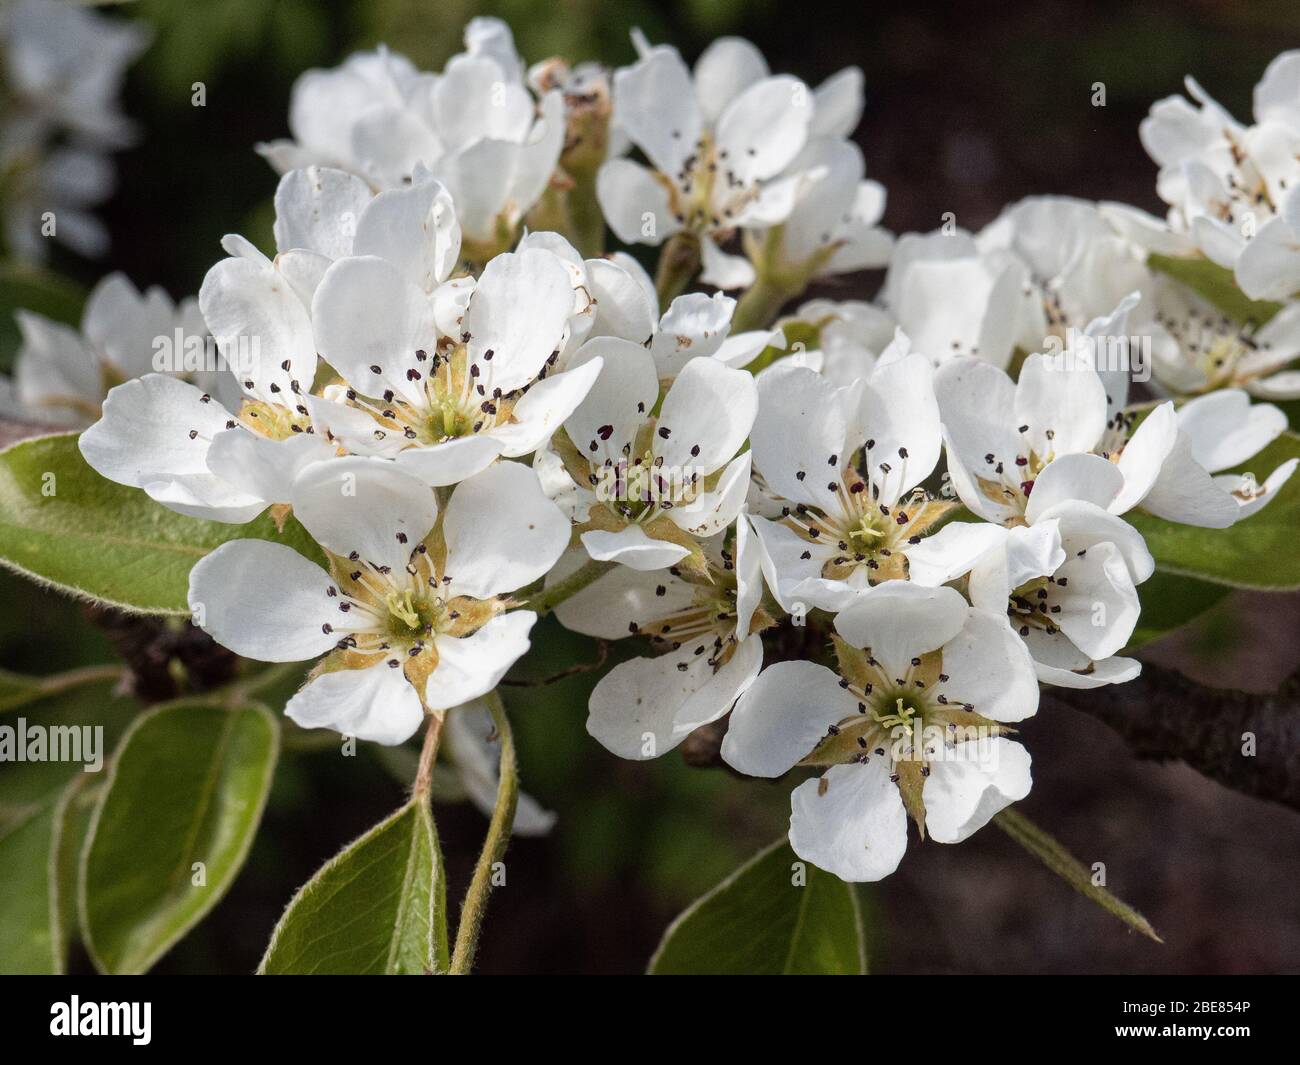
(969, 107)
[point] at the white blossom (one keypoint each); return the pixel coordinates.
(706, 628)
(1229, 186)
(61, 374)
(910, 724)
(62, 72)
(413, 612)
(475, 127)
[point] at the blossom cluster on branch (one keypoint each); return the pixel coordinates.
(868, 531)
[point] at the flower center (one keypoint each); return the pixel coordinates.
(707, 193)
(868, 536)
(458, 399)
(1030, 605)
(273, 420)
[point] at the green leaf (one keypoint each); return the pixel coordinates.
(1258, 552)
(17, 690)
(799, 336)
(93, 538)
(377, 907)
(28, 787)
(27, 941)
(763, 920)
(187, 785)
(1065, 865)
(1170, 602)
(29, 813)
(72, 817)
(1217, 285)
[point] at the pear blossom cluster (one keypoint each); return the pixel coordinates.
(61, 70)
(862, 557)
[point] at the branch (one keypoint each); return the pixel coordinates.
(1162, 715)
(149, 646)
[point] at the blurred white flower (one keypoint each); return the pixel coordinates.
(61, 374)
(62, 71)
(475, 127)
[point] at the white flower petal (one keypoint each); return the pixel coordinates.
(1099, 606)
(951, 551)
(899, 620)
(899, 412)
(620, 601)
(706, 416)
(740, 349)
(851, 822)
(989, 668)
(1225, 429)
(623, 307)
(799, 429)
(726, 271)
(370, 322)
(788, 560)
(263, 601)
(450, 461)
(1083, 524)
(367, 506)
(124, 325)
(55, 366)
(261, 466)
(476, 750)
(645, 707)
(724, 70)
(539, 155)
(518, 313)
(656, 105)
(545, 407)
(502, 533)
(317, 208)
(474, 665)
(375, 703)
(1144, 455)
(694, 324)
(1074, 476)
(838, 101)
(1092, 675)
(632, 547)
(962, 794)
(977, 403)
(479, 178)
(1185, 492)
(391, 144)
(415, 229)
(607, 420)
(749, 576)
(1065, 408)
(472, 101)
(1250, 495)
(711, 512)
(260, 326)
(1268, 267)
(764, 127)
(634, 203)
(1025, 553)
(145, 431)
(782, 716)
